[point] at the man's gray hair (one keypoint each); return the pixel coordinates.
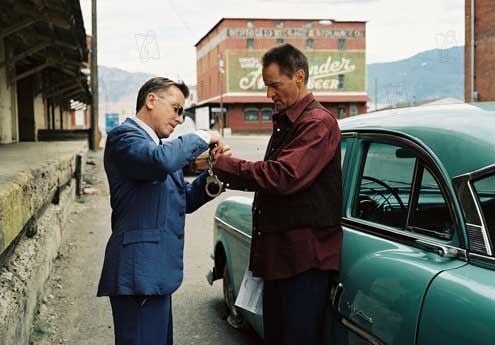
(158, 84)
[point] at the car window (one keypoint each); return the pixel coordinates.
(385, 185)
(431, 214)
(343, 149)
(485, 189)
(386, 194)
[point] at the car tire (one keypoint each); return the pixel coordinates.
(234, 318)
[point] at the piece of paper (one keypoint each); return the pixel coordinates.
(250, 296)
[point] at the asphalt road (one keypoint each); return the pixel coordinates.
(71, 313)
(198, 307)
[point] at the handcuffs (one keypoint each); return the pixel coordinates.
(213, 187)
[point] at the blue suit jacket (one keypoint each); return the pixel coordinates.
(149, 199)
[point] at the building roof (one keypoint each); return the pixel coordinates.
(462, 136)
(274, 18)
(48, 40)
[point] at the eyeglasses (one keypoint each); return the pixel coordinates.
(178, 110)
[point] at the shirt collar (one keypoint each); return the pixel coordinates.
(298, 107)
(148, 129)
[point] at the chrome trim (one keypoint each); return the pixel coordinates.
(336, 295)
(401, 236)
(234, 231)
(362, 333)
(351, 134)
(209, 277)
(355, 311)
(482, 257)
(474, 230)
(443, 249)
(482, 220)
(477, 173)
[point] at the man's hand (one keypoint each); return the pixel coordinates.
(201, 162)
(224, 150)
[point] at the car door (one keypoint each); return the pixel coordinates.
(400, 231)
(459, 307)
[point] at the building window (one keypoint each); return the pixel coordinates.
(341, 44)
(310, 43)
(280, 41)
(251, 115)
(341, 81)
(353, 109)
(341, 111)
(250, 43)
(266, 114)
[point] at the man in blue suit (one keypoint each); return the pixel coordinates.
(144, 256)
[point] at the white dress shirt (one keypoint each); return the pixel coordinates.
(202, 134)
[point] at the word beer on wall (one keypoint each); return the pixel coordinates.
(329, 71)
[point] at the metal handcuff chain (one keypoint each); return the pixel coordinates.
(213, 187)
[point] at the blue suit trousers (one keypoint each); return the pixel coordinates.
(142, 320)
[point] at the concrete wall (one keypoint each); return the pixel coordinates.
(24, 192)
(27, 194)
(23, 278)
(8, 106)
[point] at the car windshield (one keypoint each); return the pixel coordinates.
(485, 189)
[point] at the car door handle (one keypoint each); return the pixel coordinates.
(336, 295)
(439, 249)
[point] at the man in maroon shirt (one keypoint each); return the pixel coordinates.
(297, 207)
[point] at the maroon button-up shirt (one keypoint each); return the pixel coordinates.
(278, 255)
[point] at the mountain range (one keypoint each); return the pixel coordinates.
(426, 76)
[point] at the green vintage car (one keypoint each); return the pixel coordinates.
(418, 255)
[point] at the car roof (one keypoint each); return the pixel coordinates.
(462, 136)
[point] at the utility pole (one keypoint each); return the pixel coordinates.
(376, 94)
(221, 71)
(93, 131)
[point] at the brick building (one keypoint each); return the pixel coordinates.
(479, 51)
(229, 69)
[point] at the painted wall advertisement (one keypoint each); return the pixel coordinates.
(329, 71)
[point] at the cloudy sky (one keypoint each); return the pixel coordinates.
(396, 29)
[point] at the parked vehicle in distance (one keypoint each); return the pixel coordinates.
(418, 253)
(188, 126)
(111, 121)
